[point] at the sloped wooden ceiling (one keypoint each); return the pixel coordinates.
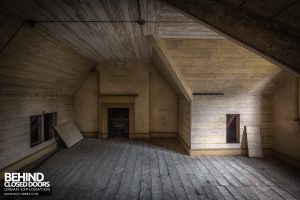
(270, 28)
(220, 66)
(284, 11)
(164, 62)
(99, 30)
(107, 31)
(166, 22)
(34, 64)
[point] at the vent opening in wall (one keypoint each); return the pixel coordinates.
(232, 128)
(41, 128)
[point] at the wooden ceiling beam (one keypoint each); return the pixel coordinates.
(179, 80)
(278, 44)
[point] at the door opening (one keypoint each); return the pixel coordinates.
(118, 122)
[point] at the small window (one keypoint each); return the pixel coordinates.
(42, 128)
(35, 130)
(233, 128)
(49, 123)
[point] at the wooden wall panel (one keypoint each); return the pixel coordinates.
(184, 120)
(209, 119)
(125, 80)
(86, 105)
(160, 66)
(220, 66)
(286, 138)
(36, 75)
(163, 107)
(155, 104)
(15, 134)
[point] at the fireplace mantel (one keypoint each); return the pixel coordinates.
(103, 95)
(112, 98)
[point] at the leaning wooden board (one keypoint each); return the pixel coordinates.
(69, 133)
(254, 142)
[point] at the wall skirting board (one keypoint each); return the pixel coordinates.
(140, 135)
(225, 152)
(131, 136)
(286, 159)
(218, 151)
(163, 135)
(90, 134)
(184, 145)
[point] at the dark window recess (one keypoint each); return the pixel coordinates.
(233, 128)
(35, 130)
(41, 128)
(118, 122)
(49, 123)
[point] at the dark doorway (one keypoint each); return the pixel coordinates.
(233, 128)
(118, 122)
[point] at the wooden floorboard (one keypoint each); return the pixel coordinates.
(173, 173)
(127, 177)
(158, 169)
(167, 186)
(134, 191)
(156, 187)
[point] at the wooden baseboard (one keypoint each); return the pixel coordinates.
(216, 152)
(185, 146)
(225, 152)
(267, 152)
(104, 136)
(131, 136)
(90, 134)
(27, 160)
(163, 135)
(141, 136)
(286, 159)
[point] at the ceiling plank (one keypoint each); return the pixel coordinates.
(221, 66)
(162, 52)
(103, 31)
(148, 13)
(174, 24)
(254, 33)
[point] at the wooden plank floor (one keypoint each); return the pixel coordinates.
(158, 169)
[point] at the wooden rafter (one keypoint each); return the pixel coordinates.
(161, 50)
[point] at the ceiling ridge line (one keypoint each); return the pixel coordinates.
(103, 21)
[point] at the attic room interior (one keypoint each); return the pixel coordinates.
(150, 99)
